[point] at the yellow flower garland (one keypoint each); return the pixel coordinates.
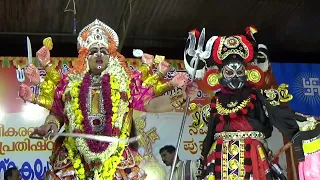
(109, 166)
(70, 142)
(115, 98)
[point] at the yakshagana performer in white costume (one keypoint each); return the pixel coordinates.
(98, 97)
(242, 117)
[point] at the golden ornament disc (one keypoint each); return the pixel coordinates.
(233, 164)
(213, 79)
(233, 177)
(254, 75)
(234, 149)
(211, 177)
(192, 106)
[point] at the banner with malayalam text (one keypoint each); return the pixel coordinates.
(17, 120)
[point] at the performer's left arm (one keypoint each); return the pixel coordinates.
(284, 119)
(303, 131)
(163, 104)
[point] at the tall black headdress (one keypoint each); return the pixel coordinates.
(223, 49)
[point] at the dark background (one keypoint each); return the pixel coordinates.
(290, 28)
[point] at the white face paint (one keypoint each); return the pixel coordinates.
(234, 75)
(98, 57)
(233, 69)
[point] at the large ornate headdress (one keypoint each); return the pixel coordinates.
(228, 52)
(96, 33)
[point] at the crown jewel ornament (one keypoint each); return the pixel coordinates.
(97, 32)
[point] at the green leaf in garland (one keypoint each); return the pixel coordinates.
(36, 62)
(5, 63)
(175, 65)
(65, 62)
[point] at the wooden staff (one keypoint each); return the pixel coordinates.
(283, 149)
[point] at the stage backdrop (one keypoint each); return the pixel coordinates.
(17, 120)
(304, 85)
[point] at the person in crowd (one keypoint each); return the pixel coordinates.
(12, 174)
(184, 170)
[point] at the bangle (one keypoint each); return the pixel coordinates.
(48, 65)
(169, 85)
(41, 81)
(176, 100)
(160, 75)
(35, 99)
(53, 121)
(145, 64)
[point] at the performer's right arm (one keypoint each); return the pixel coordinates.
(57, 114)
(56, 118)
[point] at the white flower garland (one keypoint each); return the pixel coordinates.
(114, 69)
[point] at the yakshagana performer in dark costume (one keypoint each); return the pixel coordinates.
(242, 117)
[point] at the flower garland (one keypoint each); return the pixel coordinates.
(96, 146)
(72, 106)
(110, 157)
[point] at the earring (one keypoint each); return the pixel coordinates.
(212, 79)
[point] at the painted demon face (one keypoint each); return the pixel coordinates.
(233, 75)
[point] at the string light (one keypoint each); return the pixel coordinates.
(74, 15)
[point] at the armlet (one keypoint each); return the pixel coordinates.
(48, 88)
(46, 96)
(277, 96)
(52, 74)
(153, 80)
(144, 69)
(161, 88)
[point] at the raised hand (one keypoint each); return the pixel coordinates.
(43, 55)
(25, 92)
(147, 59)
(33, 74)
(191, 91)
(164, 67)
(180, 80)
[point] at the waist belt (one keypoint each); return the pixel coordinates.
(240, 135)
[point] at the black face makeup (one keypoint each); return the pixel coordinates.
(233, 75)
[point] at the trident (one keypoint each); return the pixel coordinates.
(197, 54)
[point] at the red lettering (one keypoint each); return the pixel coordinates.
(193, 130)
(191, 146)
